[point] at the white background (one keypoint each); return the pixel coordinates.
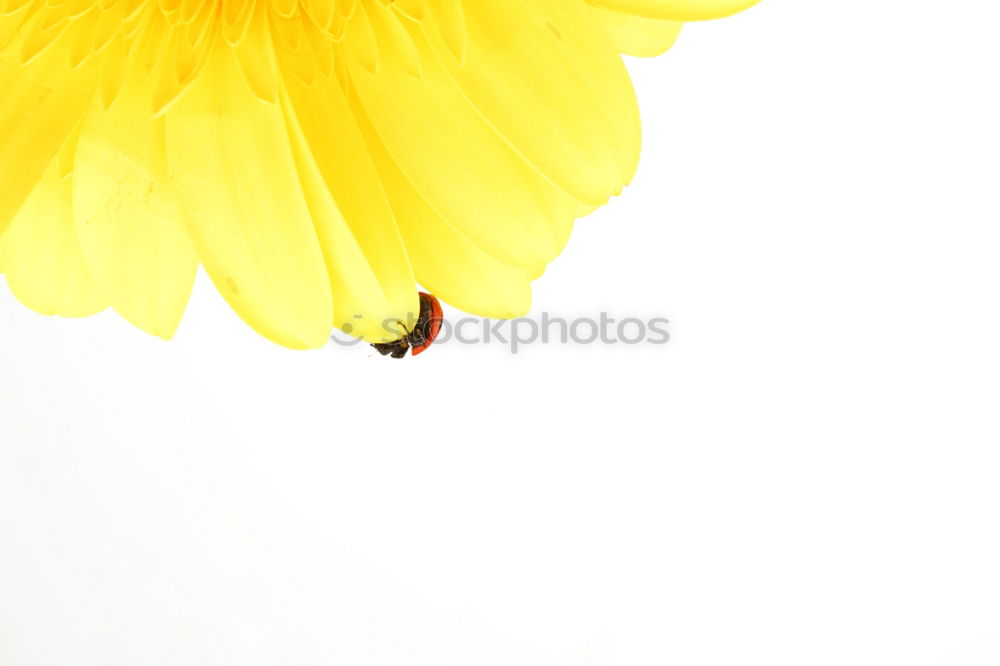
(807, 474)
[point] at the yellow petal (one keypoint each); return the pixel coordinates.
(445, 261)
(638, 35)
(677, 10)
(128, 218)
(545, 76)
(256, 57)
(370, 273)
(43, 262)
(44, 100)
(11, 20)
(229, 154)
(458, 164)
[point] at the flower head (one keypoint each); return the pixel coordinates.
(317, 157)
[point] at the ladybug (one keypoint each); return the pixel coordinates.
(423, 334)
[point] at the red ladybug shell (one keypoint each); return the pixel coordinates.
(428, 326)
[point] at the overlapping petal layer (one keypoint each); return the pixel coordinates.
(317, 157)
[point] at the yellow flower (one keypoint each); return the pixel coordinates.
(316, 157)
